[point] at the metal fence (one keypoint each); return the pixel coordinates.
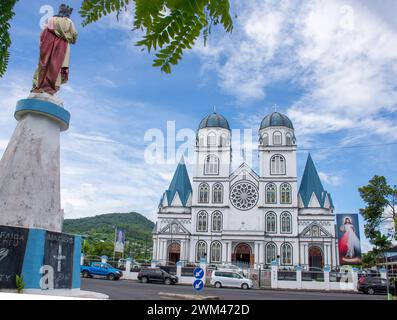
(313, 276)
(286, 275)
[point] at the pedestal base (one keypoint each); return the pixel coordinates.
(44, 259)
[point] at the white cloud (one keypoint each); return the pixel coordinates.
(331, 179)
(341, 55)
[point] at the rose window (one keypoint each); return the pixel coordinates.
(244, 195)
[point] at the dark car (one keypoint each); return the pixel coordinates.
(372, 285)
(156, 275)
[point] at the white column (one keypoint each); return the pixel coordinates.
(224, 251)
(262, 253)
(274, 279)
(192, 251)
(183, 250)
(229, 252)
(256, 260)
(299, 277)
(327, 284)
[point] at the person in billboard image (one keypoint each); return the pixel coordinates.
(349, 244)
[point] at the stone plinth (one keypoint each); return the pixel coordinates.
(30, 167)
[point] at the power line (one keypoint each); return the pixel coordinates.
(349, 147)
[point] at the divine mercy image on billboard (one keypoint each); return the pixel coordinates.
(348, 239)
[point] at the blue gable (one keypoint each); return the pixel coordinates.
(180, 184)
(311, 183)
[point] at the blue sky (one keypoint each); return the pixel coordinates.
(330, 66)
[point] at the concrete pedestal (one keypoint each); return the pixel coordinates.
(30, 167)
(31, 243)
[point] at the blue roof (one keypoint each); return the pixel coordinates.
(311, 183)
(214, 120)
(276, 119)
(180, 184)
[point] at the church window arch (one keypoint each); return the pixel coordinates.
(277, 164)
(271, 222)
(271, 193)
(285, 193)
(217, 193)
(202, 221)
(201, 250)
(216, 252)
(286, 254)
(271, 252)
(277, 138)
(211, 165)
(216, 221)
(204, 190)
(286, 222)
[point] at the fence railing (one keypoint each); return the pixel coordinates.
(312, 276)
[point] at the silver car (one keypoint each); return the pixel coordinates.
(234, 279)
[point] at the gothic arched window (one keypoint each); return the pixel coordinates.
(271, 223)
(217, 221)
(286, 254)
(204, 190)
(288, 139)
(201, 250)
(223, 140)
(217, 193)
(277, 164)
(286, 222)
(216, 252)
(271, 191)
(265, 139)
(211, 139)
(271, 252)
(277, 138)
(285, 193)
(211, 165)
(202, 218)
(201, 140)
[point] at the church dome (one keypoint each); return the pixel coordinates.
(214, 120)
(276, 119)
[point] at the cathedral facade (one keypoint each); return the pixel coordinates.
(244, 217)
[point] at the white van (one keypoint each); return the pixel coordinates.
(230, 279)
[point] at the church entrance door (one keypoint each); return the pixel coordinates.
(243, 255)
(174, 253)
(316, 259)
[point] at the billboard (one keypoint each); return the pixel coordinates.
(348, 239)
(119, 240)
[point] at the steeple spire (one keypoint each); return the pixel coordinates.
(311, 183)
(180, 184)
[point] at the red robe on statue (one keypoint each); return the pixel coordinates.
(52, 55)
(53, 68)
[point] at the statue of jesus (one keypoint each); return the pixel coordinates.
(55, 40)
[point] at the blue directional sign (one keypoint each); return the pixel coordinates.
(198, 273)
(198, 285)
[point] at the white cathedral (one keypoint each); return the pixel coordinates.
(243, 217)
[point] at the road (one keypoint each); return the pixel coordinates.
(133, 290)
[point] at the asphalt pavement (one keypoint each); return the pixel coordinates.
(134, 290)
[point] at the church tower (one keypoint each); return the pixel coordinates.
(213, 161)
(278, 186)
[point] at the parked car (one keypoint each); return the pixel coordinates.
(230, 279)
(121, 263)
(101, 269)
(156, 275)
(229, 267)
(372, 285)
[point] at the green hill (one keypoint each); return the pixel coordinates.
(99, 232)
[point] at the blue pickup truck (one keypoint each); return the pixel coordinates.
(100, 269)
